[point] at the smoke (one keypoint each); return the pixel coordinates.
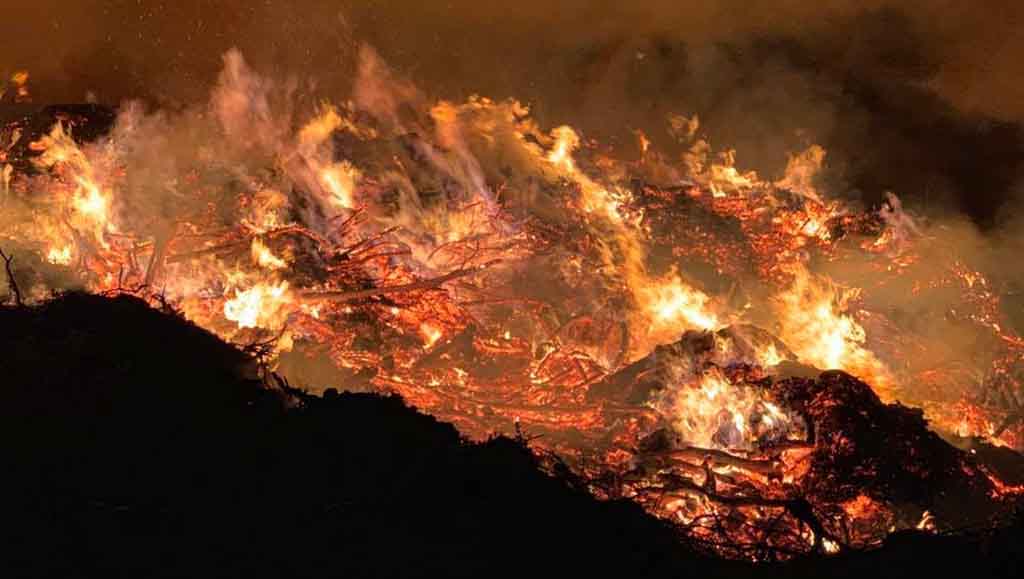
(920, 97)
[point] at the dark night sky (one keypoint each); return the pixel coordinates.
(934, 87)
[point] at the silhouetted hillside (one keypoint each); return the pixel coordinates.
(138, 445)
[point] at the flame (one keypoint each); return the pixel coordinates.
(673, 305)
(266, 211)
(814, 323)
(713, 412)
(59, 256)
(264, 305)
(769, 355)
(320, 128)
(594, 198)
(725, 178)
(801, 171)
(431, 334)
(20, 81)
(265, 258)
(566, 141)
(89, 202)
(340, 180)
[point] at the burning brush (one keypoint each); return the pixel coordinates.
(659, 324)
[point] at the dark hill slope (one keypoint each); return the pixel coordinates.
(134, 445)
(138, 448)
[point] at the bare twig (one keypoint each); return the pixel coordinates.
(11, 282)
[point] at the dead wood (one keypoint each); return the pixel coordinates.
(427, 284)
(11, 282)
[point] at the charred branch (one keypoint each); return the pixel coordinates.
(12, 283)
(800, 508)
(427, 284)
(694, 455)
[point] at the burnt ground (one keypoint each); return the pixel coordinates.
(135, 444)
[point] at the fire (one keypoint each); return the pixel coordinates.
(265, 305)
(320, 128)
(671, 304)
(713, 412)
(265, 258)
(496, 273)
(725, 178)
(19, 82)
(595, 198)
(91, 203)
(340, 180)
(566, 141)
(801, 171)
(59, 256)
(431, 334)
(814, 322)
(769, 356)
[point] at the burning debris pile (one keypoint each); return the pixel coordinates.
(658, 323)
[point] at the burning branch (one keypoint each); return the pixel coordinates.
(691, 455)
(799, 508)
(432, 283)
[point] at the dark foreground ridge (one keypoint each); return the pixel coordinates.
(138, 445)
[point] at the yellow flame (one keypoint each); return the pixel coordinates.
(725, 177)
(90, 202)
(265, 258)
(20, 81)
(801, 170)
(769, 355)
(431, 334)
(261, 306)
(59, 256)
(320, 128)
(566, 141)
(712, 412)
(673, 304)
(815, 325)
(340, 181)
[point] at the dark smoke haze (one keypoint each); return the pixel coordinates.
(920, 97)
